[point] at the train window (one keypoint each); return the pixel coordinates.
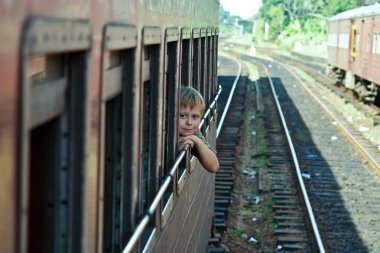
(209, 84)
(376, 43)
(171, 97)
(332, 40)
(170, 113)
(196, 59)
(149, 142)
(52, 153)
(203, 66)
(112, 212)
(150, 121)
(343, 40)
(368, 45)
(185, 56)
(204, 72)
(214, 59)
(208, 88)
(118, 127)
(215, 64)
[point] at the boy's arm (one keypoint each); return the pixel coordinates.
(206, 156)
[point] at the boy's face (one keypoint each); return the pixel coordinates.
(189, 119)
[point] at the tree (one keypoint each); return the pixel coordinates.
(300, 16)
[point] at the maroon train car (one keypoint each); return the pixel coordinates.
(88, 135)
(354, 50)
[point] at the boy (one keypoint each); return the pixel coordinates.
(192, 107)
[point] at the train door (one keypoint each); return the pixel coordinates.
(196, 59)
(355, 41)
(118, 136)
(185, 59)
(52, 135)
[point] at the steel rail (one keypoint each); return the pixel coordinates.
(298, 170)
(363, 150)
(229, 98)
(164, 186)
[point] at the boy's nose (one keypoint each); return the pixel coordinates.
(189, 120)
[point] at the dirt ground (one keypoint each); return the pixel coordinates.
(251, 221)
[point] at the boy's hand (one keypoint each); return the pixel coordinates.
(192, 140)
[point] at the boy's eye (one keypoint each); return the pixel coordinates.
(195, 117)
(182, 116)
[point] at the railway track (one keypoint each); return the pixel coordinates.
(333, 99)
(292, 226)
(339, 182)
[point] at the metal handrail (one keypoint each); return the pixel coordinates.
(164, 186)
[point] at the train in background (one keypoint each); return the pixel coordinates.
(354, 51)
(88, 135)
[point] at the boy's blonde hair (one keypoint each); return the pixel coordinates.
(192, 97)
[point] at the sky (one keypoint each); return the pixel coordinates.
(243, 8)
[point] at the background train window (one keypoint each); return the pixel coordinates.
(343, 40)
(376, 43)
(196, 59)
(118, 127)
(52, 129)
(185, 57)
(368, 44)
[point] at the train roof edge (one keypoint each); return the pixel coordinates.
(363, 11)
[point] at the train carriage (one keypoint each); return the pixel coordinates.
(89, 98)
(354, 50)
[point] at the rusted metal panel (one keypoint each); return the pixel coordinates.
(203, 32)
(190, 212)
(53, 36)
(186, 33)
(196, 33)
(171, 34)
(47, 101)
(209, 31)
(112, 83)
(119, 36)
(151, 35)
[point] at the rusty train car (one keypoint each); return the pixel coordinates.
(88, 135)
(354, 51)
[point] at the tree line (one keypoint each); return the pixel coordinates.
(291, 17)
